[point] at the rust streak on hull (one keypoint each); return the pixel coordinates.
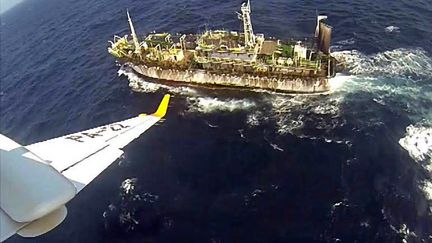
(297, 85)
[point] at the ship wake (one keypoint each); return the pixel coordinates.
(375, 89)
(395, 81)
(418, 143)
(210, 105)
(398, 81)
(139, 84)
(410, 63)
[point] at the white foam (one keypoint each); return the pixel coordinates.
(125, 211)
(128, 185)
(391, 28)
(379, 101)
(289, 112)
(241, 133)
(276, 147)
(254, 119)
(342, 44)
(427, 189)
(397, 62)
(286, 125)
(282, 107)
(405, 232)
(329, 107)
(139, 84)
(338, 81)
(211, 125)
(339, 204)
(349, 41)
(365, 224)
(210, 105)
(418, 143)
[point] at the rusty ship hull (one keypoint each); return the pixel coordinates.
(249, 81)
(231, 58)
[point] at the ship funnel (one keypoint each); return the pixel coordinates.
(323, 35)
(319, 18)
(134, 36)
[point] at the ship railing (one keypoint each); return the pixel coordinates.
(308, 41)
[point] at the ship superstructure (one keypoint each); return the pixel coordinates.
(231, 58)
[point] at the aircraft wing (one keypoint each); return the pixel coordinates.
(34, 178)
(83, 155)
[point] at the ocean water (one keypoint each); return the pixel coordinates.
(233, 165)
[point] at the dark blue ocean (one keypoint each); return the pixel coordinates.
(228, 165)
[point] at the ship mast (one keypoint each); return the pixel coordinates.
(134, 36)
(247, 24)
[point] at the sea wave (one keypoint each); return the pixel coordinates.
(403, 62)
(349, 41)
(342, 44)
(337, 82)
(139, 84)
(210, 105)
(255, 118)
(291, 115)
(126, 213)
(418, 143)
(296, 114)
(426, 186)
(391, 28)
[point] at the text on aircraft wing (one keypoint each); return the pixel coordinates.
(66, 151)
(79, 157)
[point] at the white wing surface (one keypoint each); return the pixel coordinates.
(66, 151)
(38, 179)
(103, 143)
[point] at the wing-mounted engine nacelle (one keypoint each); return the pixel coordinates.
(32, 193)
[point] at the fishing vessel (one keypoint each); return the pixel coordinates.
(231, 58)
